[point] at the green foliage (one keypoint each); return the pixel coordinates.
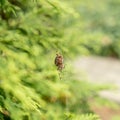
(30, 88)
(81, 117)
(87, 117)
(97, 29)
(30, 34)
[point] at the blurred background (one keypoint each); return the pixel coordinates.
(85, 33)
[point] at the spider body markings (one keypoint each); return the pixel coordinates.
(59, 62)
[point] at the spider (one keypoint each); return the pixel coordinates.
(59, 62)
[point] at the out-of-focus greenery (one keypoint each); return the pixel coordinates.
(30, 34)
(97, 30)
(30, 88)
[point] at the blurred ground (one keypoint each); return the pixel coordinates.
(106, 113)
(101, 70)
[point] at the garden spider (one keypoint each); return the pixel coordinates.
(59, 62)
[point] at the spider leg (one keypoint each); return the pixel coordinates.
(60, 76)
